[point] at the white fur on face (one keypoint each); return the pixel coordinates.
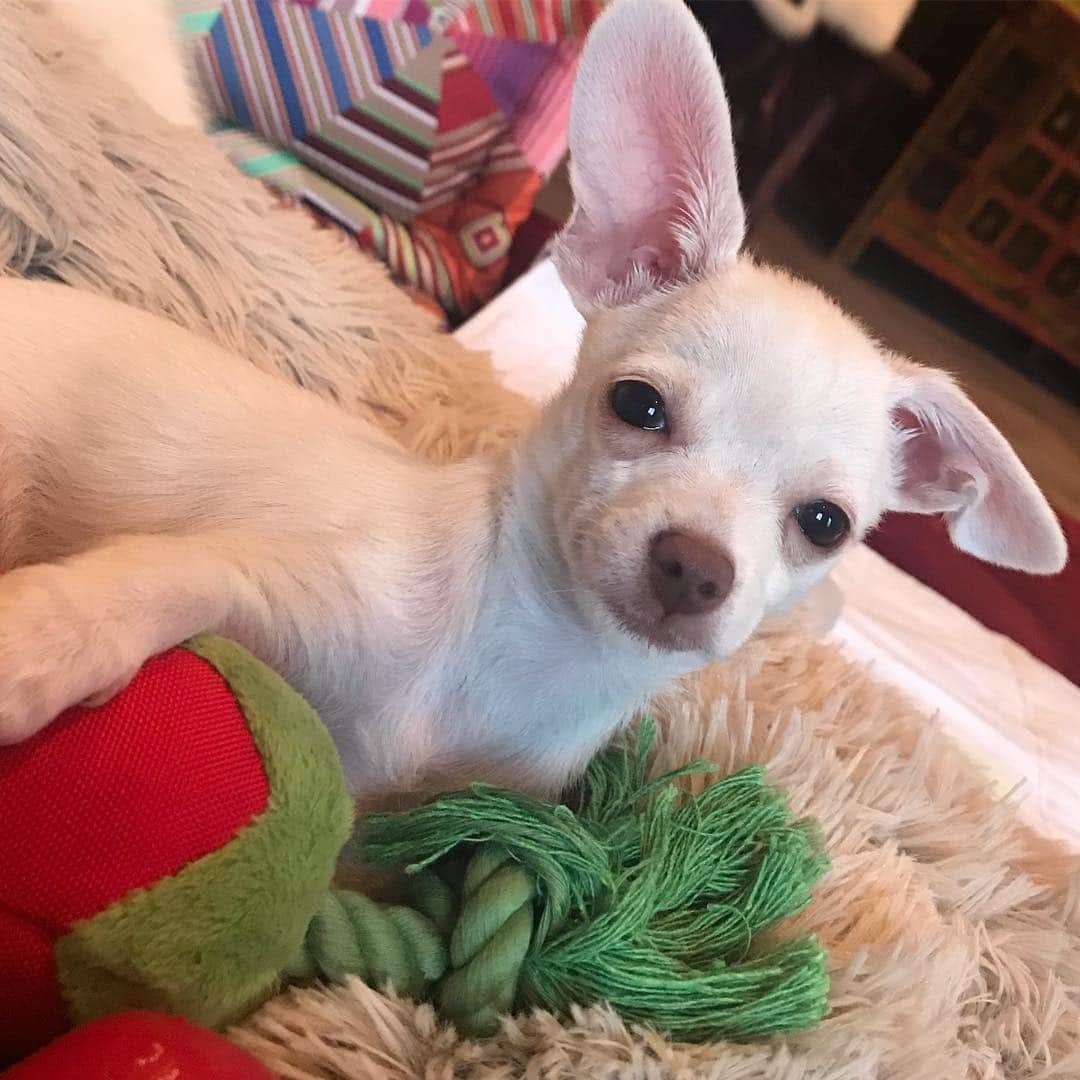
(774, 399)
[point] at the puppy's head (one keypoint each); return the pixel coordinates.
(729, 431)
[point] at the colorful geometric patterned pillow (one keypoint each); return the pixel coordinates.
(423, 127)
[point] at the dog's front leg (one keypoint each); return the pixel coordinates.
(78, 630)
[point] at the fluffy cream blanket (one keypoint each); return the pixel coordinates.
(954, 934)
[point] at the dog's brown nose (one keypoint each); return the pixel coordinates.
(689, 575)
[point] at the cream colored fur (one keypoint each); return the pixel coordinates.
(493, 619)
(137, 42)
(953, 934)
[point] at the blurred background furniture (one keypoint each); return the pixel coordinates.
(987, 193)
(788, 81)
(939, 159)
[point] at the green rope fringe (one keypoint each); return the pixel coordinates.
(643, 895)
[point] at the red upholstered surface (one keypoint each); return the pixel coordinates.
(1040, 613)
(106, 800)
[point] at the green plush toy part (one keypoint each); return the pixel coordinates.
(636, 893)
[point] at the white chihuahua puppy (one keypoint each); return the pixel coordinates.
(727, 433)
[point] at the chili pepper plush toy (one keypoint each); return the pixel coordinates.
(140, 1046)
(173, 851)
(166, 850)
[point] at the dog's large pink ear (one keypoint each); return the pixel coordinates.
(652, 163)
(953, 461)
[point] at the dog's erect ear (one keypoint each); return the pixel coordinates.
(651, 159)
(953, 461)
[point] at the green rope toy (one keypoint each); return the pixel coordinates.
(637, 893)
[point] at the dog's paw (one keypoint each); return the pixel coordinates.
(22, 713)
(104, 696)
(31, 693)
(52, 655)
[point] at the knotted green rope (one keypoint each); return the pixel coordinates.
(642, 895)
(351, 934)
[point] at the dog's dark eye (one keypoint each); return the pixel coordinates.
(638, 404)
(823, 523)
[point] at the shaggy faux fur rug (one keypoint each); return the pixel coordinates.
(954, 934)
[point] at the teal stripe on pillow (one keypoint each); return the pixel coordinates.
(198, 22)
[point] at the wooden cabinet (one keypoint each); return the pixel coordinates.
(987, 194)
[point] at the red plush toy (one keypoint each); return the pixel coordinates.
(140, 1046)
(173, 851)
(167, 850)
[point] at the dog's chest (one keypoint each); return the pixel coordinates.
(491, 688)
(426, 720)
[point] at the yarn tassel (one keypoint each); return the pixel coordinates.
(636, 892)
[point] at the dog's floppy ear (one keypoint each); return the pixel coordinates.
(953, 461)
(652, 164)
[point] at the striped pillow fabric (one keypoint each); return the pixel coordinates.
(424, 128)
